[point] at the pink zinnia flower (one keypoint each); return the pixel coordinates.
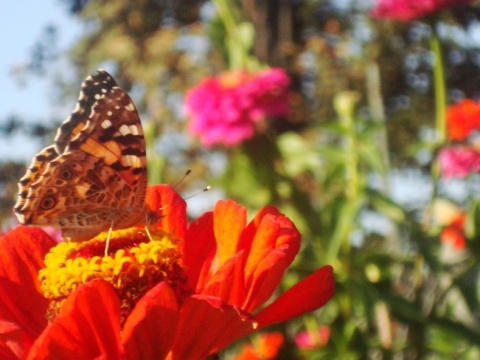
(308, 341)
(224, 109)
(405, 10)
(459, 161)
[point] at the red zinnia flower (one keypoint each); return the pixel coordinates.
(201, 294)
(405, 10)
(462, 119)
(225, 109)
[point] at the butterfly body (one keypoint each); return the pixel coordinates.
(94, 177)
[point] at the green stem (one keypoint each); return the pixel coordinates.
(344, 104)
(226, 14)
(440, 90)
(345, 107)
(440, 116)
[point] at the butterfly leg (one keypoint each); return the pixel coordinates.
(146, 227)
(148, 233)
(108, 238)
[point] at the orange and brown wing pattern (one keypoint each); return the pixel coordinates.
(93, 89)
(99, 179)
(117, 137)
(36, 169)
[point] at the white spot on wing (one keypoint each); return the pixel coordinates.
(134, 129)
(109, 113)
(124, 130)
(106, 124)
(131, 160)
(130, 107)
(21, 218)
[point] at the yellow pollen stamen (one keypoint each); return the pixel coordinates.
(135, 265)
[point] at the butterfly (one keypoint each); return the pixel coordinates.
(93, 178)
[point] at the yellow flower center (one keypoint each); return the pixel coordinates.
(135, 264)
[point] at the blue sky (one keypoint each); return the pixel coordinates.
(21, 25)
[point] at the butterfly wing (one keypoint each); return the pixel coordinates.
(93, 89)
(100, 178)
(35, 170)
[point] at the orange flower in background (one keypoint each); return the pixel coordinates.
(454, 234)
(264, 347)
(186, 295)
(462, 119)
(451, 219)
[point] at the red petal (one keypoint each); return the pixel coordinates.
(13, 342)
(199, 250)
(207, 325)
(227, 283)
(267, 277)
(87, 327)
(150, 329)
(164, 199)
(309, 294)
(21, 257)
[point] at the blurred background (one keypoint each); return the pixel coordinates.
(347, 140)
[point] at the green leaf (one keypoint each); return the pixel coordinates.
(298, 155)
(403, 308)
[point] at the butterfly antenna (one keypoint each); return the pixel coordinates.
(182, 178)
(198, 193)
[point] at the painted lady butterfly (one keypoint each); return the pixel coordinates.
(94, 177)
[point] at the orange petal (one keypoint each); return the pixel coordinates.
(268, 230)
(273, 242)
(309, 294)
(150, 329)
(207, 325)
(21, 257)
(245, 274)
(229, 221)
(87, 327)
(164, 199)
